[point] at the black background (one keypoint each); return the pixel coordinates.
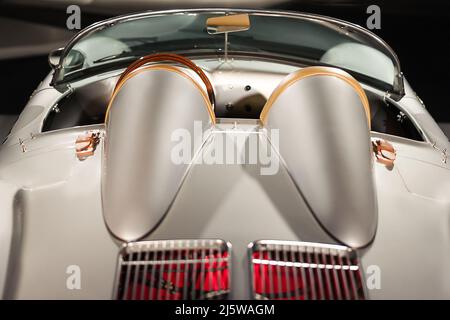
(418, 31)
(283, 309)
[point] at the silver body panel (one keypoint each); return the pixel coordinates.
(329, 158)
(139, 179)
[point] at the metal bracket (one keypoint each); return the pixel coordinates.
(384, 152)
(443, 152)
(86, 144)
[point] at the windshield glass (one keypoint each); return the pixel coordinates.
(311, 40)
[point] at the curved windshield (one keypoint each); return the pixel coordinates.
(308, 39)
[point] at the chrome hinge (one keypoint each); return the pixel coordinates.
(420, 100)
(68, 91)
(65, 89)
(443, 153)
(33, 93)
(55, 109)
(22, 145)
(386, 96)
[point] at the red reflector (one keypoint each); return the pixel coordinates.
(174, 270)
(289, 270)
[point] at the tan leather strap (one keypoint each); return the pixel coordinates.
(164, 57)
(166, 68)
(316, 71)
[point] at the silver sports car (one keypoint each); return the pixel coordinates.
(224, 154)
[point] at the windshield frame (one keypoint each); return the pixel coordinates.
(396, 92)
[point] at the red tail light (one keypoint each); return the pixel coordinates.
(304, 271)
(174, 270)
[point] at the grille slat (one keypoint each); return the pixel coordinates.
(297, 286)
(159, 279)
(127, 281)
(326, 278)
(304, 271)
(262, 274)
(350, 279)
(344, 280)
(335, 282)
(144, 272)
(170, 269)
(219, 278)
(210, 261)
(287, 276)
(303, 276)
(193, 275)
(355, 281)
(312, 283)
(318, 277)
(279, 287)
(215, 285)
(272, 281)
(202, 272)
(179, 265)
(173, 270)
(186, 280)
(153, 273)
(135, 278)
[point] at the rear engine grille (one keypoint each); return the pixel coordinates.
(290, 270)
(173, 270)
